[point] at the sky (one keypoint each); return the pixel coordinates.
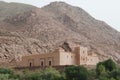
(105, 10)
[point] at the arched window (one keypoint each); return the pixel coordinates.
(30, 64)
(42, 63)
(50, 63)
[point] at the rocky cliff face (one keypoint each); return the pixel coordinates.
(41, 30)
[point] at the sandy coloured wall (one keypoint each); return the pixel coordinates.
(67, 58)
(59, 58)
(35, 60)
(92, 60)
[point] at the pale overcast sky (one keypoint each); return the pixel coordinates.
(106, 10)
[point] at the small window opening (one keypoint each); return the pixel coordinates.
(30, 64)
(50, 63)
(42, 63)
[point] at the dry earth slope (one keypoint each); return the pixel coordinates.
(44, 29)
(11, 9)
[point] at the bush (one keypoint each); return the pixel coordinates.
(6, 71)
(112, 79)
(92, 74)
(76, 73)
(108, 70)
(8, 74)
(35, 76)
(100, 70)
(4, 76)
(105, 67)
(110, 65)
(103, 78)
(47, 74)
(50, 74)
(115, 74)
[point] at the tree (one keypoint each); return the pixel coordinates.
(47, 74)
(110, 65)
(50, 74)
(92, 74)
(105, 66)
(115, 74)
(76, 73)
(6, 71)
(100, 70)
(6, 74)
(112, 79)
(103, 78)
(107, 70)
(27, 75)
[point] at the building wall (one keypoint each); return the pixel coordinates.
(35, 60)
(59, 57)
(83, 55)
(77, 55)
(67, 58)
(92, 60)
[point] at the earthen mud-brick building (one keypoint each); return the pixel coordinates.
(60, 57)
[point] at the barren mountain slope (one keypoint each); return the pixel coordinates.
(40, 25)
(43, 30)
(100, 36)
(11, 9)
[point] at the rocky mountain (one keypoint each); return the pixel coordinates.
(99, 35)
(12, 9)
(41, 30)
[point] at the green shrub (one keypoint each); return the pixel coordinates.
(100, 70)
(115, 74)
(8, 74)
(6, 71)
(50, 74)
(110, 65)
(105, 67)
(76, 73)
(4, 76)
(103, 78)
(112, 79)
(34, 76)
(92, 74)
(47, 74)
